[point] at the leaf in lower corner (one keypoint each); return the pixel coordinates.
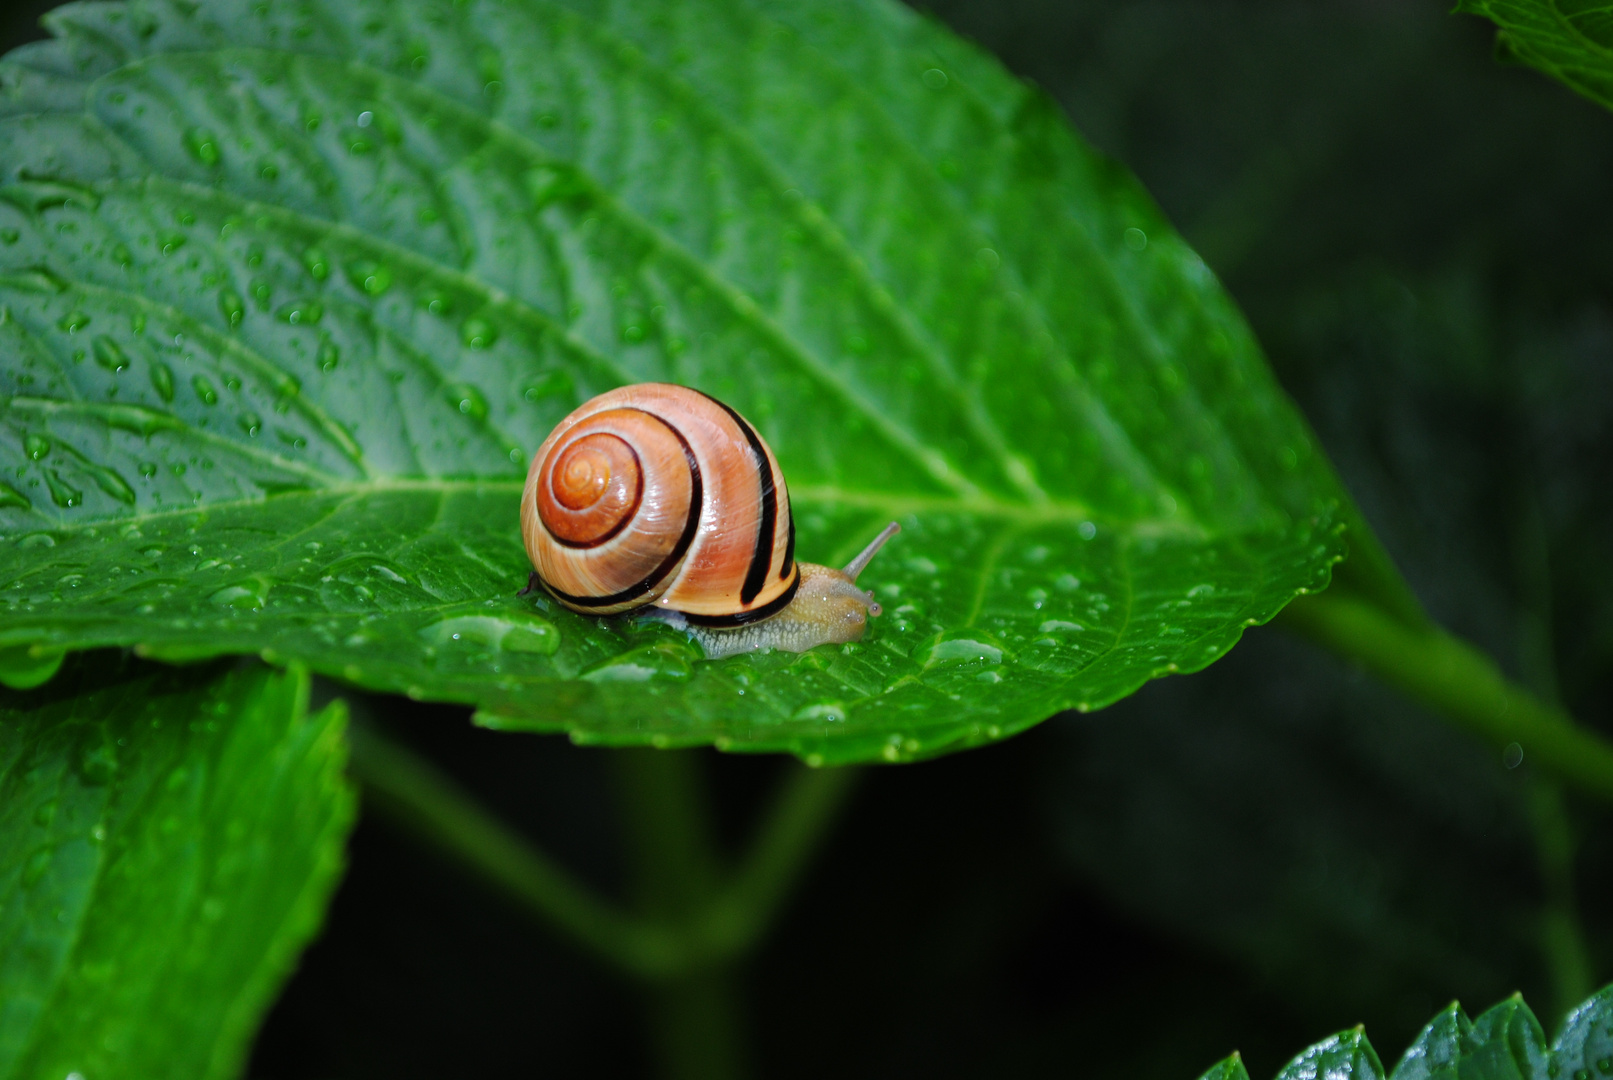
(168, 842)
(276, 357)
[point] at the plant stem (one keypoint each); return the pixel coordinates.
(694, 1013)
(1457, 681)
(722, 915)
(406, 789)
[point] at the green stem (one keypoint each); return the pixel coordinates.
(1457, 681)
(1562, 939)
(408, 791)
(694, 1013)
(723, 916)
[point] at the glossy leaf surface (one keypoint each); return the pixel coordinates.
(1571, 42)
(1505, 1043)
(167, 844)
(290, 293)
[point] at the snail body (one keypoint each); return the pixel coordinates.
(658, 499)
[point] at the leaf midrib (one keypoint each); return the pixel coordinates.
(897, 504)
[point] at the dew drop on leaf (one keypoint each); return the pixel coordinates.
(317, 263)
(162, 380)
(329, 356)
(478, 333)
(251, 423)
(204, 390)
(369, 276)
(73, 321)
(203, 145)
(298, 312)
(35, 867)
(232, 307)
(468, 400)
(109, 354)
(110, 482)
(37, 447)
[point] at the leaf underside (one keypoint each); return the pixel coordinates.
(290, 293)
(168, 844)
(1505, 1043)
(1571, 42)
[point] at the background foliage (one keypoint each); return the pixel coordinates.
(1411, 231)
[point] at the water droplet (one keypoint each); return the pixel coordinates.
(935, 79)
(73, 321)
(109, 354)
(478, 333)
(1136, 239)
(110, 482)
(988, 259)
(1512, 756)
(203, 145)
(665, 660)
(37, 540)
(98, 763)
(231, 306)
(204, 390)
(250, 422)
(298, 312)
(1059, 626)
(250, 595)
(1086, 530)
(329, 356)
(162, 380)
(468, 400)
(11, 497)
(515, 633)
(35, 867)
(964, 647)
(824, 712)
(369, 276)
(37, 447)
(1604, 1065)
(62, 493)
(552, 384)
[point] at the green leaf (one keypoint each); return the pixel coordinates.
(1230, 1069)
(291, 293)
(1505, 1043)
(168, 842)
(1437, 1051)
(1346, 1056)
(1572, 42)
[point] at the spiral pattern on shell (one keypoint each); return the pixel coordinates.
(658, 494)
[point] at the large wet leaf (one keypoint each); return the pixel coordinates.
(1568, 40)
(292, 291)
(1505, 1043)
(167, 844)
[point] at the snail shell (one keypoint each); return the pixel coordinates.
(658, 496)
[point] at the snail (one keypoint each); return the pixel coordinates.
(661, 500)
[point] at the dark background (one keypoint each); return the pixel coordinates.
(1251, 857)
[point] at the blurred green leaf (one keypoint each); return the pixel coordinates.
(167, 845)
(1569, 40)
(290, 295)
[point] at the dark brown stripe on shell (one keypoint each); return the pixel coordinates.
(789, 546)
(679, 550)
(740, 618)
(762, 557)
